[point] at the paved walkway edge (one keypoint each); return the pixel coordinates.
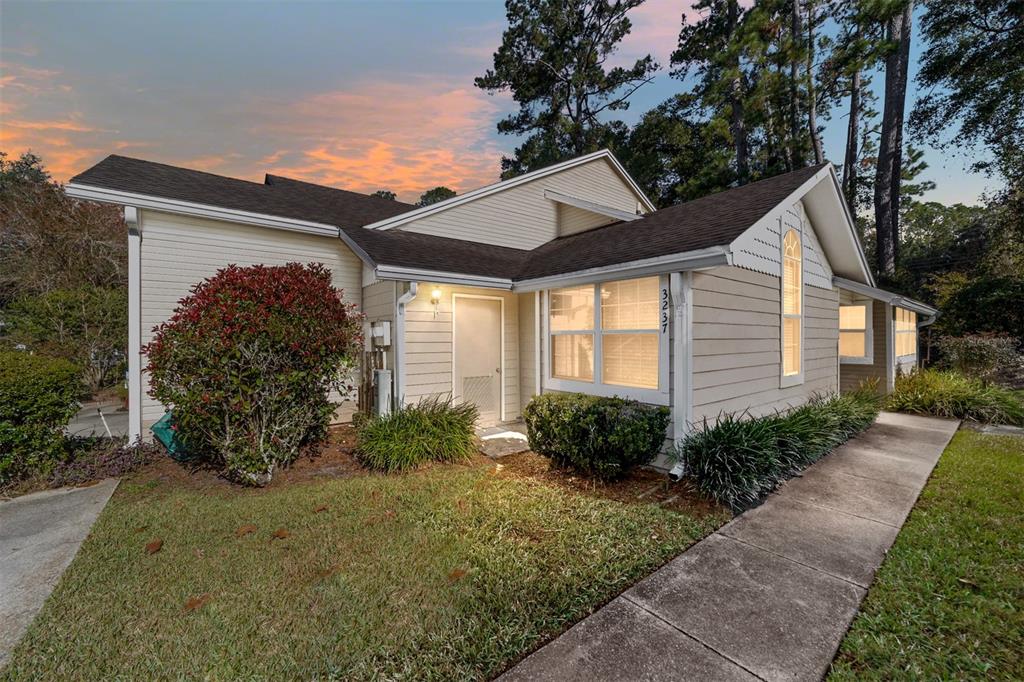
(39, 536)
(771, 594)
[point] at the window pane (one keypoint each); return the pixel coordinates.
(852, 344)
(791, 274)
(631, 304)
(630, 359)
(853, 317)
(790, 346)
(572, 356)
(572, 308)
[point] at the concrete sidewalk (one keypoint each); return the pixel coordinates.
(39, 536)
(771, 594)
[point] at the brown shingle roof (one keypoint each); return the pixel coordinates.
(714, 220)
(278, 196)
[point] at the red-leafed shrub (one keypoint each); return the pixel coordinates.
(247, 362)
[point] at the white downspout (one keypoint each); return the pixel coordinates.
(681, 359)
(399, 342)
(134, 222)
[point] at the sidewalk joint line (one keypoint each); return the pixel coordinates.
(791, 559)
(841, 511)
(687, 634)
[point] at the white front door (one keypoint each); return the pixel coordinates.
(476, 362)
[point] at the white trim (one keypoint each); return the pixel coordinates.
(676, 262)
(787, 380)
(147, 201)
(400, 306)
(133, 219)
(537, 337)
(654, 396)
(837, 193)
(591, 206)
(869, 334)
(682, 354)
(501, 333)
(885, 296)
(401, 273)
(503, 185)
(890, 351)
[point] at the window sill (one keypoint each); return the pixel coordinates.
(651, 396)
(792, 380)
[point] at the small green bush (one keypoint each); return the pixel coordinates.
(951, 394)
(38, 397)
(601, 437)
(738, 460)
(434, 429)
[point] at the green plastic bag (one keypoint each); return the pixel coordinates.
(164, 431)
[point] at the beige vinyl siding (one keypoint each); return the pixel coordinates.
(851, 374)
(737, 343)
(180, 251)
(572, 220)
(428, 345)
(527, 348)
(522, 217)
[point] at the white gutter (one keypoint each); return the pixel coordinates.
(677, 262)
(405, 274)
(111, 196)
(591, 206)
(400, 305)
(888, 297)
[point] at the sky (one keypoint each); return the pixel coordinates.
(357, 95)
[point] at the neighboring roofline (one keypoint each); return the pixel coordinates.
(699, 259)
(591, 206)
(155, 203)
(885, 296)
(838, 189)
(502, 185)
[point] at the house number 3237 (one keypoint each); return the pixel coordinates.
(664, 310)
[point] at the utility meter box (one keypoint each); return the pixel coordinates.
(380, 334)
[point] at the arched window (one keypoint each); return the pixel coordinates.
(792, 305)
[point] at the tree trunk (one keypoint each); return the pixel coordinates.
(737, 125)
(887, 173)
(794, 92)
(812, 101)
(852, 133)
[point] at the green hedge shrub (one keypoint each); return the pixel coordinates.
(738, 460)
(951, 394)
(435, 429)
(38, 397)
(601, 437)
(248, 361)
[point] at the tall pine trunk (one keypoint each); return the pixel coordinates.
(890, 158)
(852, 151)
(812, 100)
(737, 124)
(794, 92)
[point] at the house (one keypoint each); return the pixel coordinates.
(562, 279)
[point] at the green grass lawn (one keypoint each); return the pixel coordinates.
(450, 573)
(948, 603)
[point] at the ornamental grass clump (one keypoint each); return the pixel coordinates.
(738, 460)
(248, 361)
(433, 430)
(955, 395)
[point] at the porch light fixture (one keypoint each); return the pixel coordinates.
(435, 298)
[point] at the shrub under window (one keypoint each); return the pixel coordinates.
(38, 397)
(432, 430)
(247, 363)
(602, 437)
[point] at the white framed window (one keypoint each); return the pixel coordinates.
(792, 309)
(610, 338)
(855, 333)
(906, 333)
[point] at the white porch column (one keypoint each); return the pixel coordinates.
(133, 218)
(680, 284)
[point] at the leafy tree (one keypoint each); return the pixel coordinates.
(87, 325)
(25, 170)
(972, 72)
(385, 194)
(432, 196)
(553, 58)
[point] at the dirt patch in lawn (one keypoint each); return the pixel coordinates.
(334, 459)
(641, 486)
